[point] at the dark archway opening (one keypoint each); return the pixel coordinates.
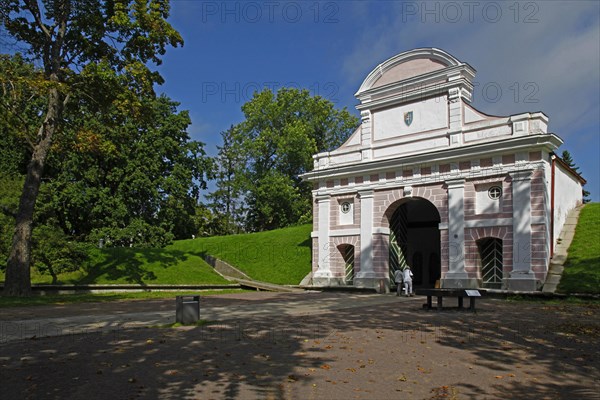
(415, 241)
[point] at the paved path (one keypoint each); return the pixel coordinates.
(302, 346)
(26, 322)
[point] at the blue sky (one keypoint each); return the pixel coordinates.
(529, 56)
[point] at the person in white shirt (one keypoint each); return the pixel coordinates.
(398, 279)
(407, 278)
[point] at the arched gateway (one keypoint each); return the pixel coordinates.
(428, 181)
(414, 240)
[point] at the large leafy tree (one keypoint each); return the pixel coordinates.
(278, 138)
(82, 46)
(226, 201)
(21, 101)
(133, 184)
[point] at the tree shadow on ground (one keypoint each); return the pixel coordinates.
(550, 349)
(214, 361)
(581, 276)
(130, 265)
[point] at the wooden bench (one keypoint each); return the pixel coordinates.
(472, 294)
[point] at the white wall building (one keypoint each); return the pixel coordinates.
(426, 180)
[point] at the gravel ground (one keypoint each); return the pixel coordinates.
(364, 350)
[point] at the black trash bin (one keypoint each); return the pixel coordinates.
(187, 309)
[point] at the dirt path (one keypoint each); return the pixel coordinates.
(371, 349)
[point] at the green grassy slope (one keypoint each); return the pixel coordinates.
(139, 266)
(582, 269)
(281, 256)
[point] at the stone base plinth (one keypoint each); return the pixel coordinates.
(522, 282)
(458, 280)
(327, 281)
(381, 285)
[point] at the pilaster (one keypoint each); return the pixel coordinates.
(323, 274)
(522, 277)
(455, 117)
(366, 136)
(366, 276)
(456, 275)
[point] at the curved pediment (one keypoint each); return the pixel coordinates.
(408, 65)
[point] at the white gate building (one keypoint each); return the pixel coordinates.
(464, 198)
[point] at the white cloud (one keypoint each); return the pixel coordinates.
(554, 60)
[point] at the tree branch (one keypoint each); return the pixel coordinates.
(34, 9)
(66, 100)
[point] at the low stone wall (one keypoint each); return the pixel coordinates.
(224, 269)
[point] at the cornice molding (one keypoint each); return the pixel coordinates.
(548, 142)
(400, 95)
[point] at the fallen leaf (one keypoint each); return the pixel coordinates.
(325, 366)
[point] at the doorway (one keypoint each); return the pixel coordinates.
(347, 252)
(490, 253)
(415, 241)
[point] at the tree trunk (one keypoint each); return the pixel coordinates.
(18, 277)
(52, 274)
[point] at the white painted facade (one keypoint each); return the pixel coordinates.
(427, 167)
(567, 195)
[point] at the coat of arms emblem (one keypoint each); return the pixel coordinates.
(408, 118)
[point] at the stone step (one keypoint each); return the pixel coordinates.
(566, 236)
(553, 279)
(571, 220)
(559, 258)
(556, 268)
(549, 288)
